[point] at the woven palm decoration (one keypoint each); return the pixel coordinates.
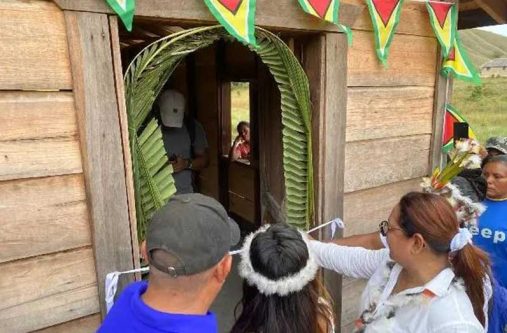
(144, 80)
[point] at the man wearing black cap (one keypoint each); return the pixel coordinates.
(187, 247)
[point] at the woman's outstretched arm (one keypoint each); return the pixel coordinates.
(354, 262)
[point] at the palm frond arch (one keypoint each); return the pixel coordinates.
(144, 79)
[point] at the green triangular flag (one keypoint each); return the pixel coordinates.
(125, 10)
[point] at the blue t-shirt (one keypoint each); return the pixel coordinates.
(130, 314)
(491, 236)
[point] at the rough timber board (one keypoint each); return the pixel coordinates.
(412, 62)
(42, 215)
(363, 210)
(47, 290)
(378, 112)
(39, 158)
(33, 46)
(127, 157)
(443, 92)
(325, 63)
(280, 14)
(87, 324)
(392, 160)
(36, 115)
(100, 136)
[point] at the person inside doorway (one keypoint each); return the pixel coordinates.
(240, 150)
(184, 140)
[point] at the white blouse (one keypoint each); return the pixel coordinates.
(440, 306)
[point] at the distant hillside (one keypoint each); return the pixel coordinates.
(483, 46)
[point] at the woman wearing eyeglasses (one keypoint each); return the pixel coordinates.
(430, 279)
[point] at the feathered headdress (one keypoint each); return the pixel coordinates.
(466, 155)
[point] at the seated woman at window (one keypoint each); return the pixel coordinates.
(240, 149)
(281, 291)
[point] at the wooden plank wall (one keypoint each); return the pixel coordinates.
(46, 259)
(389, 127)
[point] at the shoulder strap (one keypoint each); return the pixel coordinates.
(190, 124)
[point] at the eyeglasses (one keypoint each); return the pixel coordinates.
(385, 227)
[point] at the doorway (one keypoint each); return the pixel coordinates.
(202, 64)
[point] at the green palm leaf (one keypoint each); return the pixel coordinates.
(144, 80)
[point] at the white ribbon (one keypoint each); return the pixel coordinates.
(112, 284)
(461, 239)
(112, 278)
(335, 223)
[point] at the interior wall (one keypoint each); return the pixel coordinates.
(206, 108)
(389, 127)
(46, 259)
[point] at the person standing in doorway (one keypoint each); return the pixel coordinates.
(184, 140)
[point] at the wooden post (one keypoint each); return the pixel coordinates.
(326, 66)
(101, 142)
(127, 157)
(443, 87)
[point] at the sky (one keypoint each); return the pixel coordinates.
(498, 29)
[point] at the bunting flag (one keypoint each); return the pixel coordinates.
(451, 117)
(237, 17)
(459, 65)
(125, 10)
(326, 10)
(385, 15)
(444, 20)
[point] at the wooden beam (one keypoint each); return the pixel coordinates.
(497, 9)
(280, 14)
(101, 142)
(326, 66)
(443, 90)
(468, 5)
(127, 157)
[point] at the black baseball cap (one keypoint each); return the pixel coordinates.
(194, 230)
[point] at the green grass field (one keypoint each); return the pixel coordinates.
(484, 107)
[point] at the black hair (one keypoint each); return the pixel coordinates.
(496, 158)
(278, 252)
(241, 125)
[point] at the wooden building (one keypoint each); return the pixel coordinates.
(67, 213)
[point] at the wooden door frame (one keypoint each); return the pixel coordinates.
(325, 63)
(102, 121)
